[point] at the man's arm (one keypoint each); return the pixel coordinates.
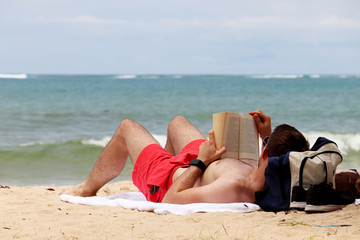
(181, 191)
(222, 190)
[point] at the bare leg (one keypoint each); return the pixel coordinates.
(129, 140)
(180, 133)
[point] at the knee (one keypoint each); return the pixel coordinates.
(125, 125)
(176, 122)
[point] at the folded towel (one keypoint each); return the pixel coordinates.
(136, 200)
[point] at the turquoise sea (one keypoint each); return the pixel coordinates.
(53, 127)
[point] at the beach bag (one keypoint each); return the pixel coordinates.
(290, 175)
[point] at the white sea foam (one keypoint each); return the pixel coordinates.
(32, 144)
(103, 141)
(14, 76)
(345, 141)
(150, 77)
(315, 76)
(285, 76)
(126, 76)
(96, 142)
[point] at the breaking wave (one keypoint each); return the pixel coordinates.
(125, 76)
(345, 141)
(14, 76)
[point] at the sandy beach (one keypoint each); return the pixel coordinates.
(36, 212)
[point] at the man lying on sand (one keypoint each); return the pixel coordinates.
(187, 169)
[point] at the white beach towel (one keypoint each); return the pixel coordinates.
(136, 200)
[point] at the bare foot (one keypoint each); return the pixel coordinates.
(78, 190)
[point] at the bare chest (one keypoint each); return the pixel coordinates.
(229, 168)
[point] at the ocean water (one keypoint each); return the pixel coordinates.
(53, 127)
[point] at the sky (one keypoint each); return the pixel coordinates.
(180, 37)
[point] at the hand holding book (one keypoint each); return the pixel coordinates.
(208, 151)
(263, 123)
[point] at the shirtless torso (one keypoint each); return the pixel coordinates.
(228, 180)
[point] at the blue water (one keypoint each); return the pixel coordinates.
(53, 127)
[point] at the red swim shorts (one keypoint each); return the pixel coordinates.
(155, 167)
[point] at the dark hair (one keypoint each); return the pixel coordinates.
(286, 138)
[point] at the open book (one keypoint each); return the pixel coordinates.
(238, 133)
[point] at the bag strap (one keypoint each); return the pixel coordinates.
(282, 176)
(321, 141)
(303, 162)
